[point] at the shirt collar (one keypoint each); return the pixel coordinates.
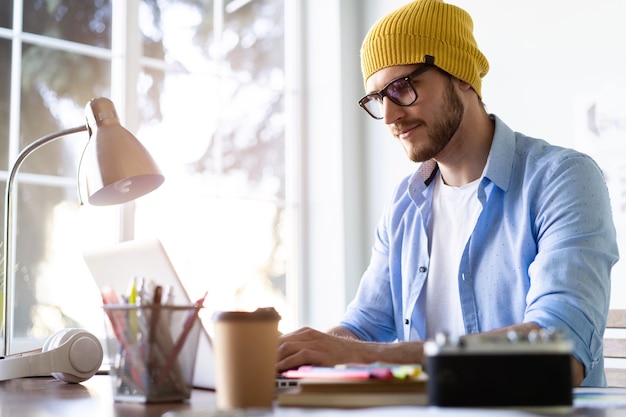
(499, 162)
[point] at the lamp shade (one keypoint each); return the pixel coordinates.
(119, 168)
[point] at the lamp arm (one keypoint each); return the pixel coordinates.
(7, 293)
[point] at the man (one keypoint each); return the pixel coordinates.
(495, 231)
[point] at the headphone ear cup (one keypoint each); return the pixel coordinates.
(78, 355)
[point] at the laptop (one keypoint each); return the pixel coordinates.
(116, 266)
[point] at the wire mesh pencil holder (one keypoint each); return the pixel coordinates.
(152, 351)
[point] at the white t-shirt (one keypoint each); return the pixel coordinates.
(454, 214)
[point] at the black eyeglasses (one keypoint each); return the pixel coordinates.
(400, 91)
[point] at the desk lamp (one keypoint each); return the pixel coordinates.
(119, 169)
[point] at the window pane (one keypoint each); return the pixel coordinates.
(252, 153)
(53, 100)
(5, 85)
(172, 29)
(53, 287)
(217, 130)
(87, 22)
(233, 248)
(6, 14)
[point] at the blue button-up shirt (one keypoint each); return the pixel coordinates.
(541, 251)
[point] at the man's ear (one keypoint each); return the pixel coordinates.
(463, 85)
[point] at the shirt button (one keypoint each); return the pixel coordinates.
(422, 269)
(406, 321)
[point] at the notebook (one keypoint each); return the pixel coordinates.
(117, 265)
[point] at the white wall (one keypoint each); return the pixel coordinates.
(551, 61)
(333, 235)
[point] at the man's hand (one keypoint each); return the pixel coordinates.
(307, 346)
(311, 347)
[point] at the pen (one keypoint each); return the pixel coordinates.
(156, 303)
(132, 296)
(154, 321)
(132, 314)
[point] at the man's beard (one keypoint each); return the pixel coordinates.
(441, 131)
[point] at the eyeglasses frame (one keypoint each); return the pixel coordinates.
(382, 93)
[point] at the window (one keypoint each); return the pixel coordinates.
(204, 90)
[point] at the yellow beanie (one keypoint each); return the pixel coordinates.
(425, 27)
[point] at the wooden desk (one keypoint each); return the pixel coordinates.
(45, 397)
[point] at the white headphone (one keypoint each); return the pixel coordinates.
(70, 355)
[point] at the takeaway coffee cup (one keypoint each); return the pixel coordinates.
(245, 345)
